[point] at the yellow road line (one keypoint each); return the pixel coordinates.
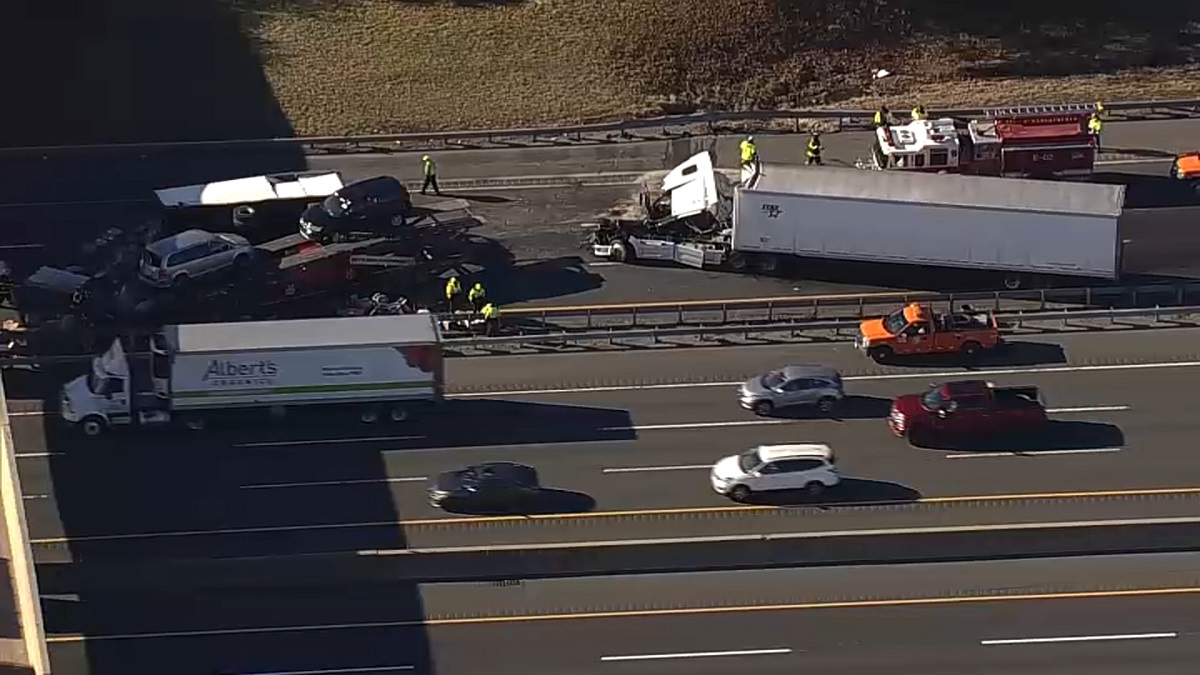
(648, 613)
(1158, 492)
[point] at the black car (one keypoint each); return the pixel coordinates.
(375, 206)
(492, 485)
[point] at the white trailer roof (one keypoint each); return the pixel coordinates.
(1010, 194)
(252, 190)
(362, 331)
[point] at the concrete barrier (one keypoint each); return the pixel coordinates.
(22, 600)
(499, 563)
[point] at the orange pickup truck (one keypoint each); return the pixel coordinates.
(917, 330)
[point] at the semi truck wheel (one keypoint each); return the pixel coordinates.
(92, 426)
(971, 349)
(398, 414)
(369, 416)
(767, 264)
(1012, 282)
(620, 252)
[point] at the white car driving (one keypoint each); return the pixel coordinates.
(799, 466)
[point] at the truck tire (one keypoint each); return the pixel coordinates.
(398, 413)
(92, 426)
(194, 423)
(737, 262)
(971, 349)
(767, 264)
(368, 416)
(881, 354)
(1012, 282)
(620, 252)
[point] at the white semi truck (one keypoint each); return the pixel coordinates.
(379, 367)
(779, 212)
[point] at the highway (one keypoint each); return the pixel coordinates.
(1124, 422)
(1073, 615)
(538, 226)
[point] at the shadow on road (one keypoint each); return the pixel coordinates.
(1058, 435)
(853, 407)
(1151, 192)
(482, 199)
(547, 501)
(850, 492)
(526, 281)
(1014, 353)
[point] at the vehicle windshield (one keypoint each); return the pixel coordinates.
(895, 323)
(773, 379)
(749, 460)
(151, 259)
(95, 382)
(933, 399)
(335, 205)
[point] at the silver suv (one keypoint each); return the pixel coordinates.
(818, 386)
(192, 254)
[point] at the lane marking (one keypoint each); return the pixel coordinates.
(1079, 638)
(35, 496)
(633, 614)
(324, 483)
(696, 655)
(470, 520)
(326, 441)
(641, 469)
(1088, 409)
(851, 378)
(333, 670)
(1033, 453)
(699, 425)
(27, 455)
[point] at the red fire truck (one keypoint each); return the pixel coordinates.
(1030, 141)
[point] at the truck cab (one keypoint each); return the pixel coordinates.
(118, 391)
(916, 330)
(966, 408)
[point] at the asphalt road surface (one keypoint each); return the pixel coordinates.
(539, 226)
(1076, 615)
(643, 441)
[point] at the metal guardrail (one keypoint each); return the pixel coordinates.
(622, 127)
(1009, 320)
(774, 309)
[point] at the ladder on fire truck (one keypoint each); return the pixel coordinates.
(1035, 110)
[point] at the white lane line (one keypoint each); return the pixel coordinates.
(32, 497)
(324, 483)
(1032, 453)
(1080, 638)
(1114, 162)
(640, 469)
(696, 655)
(698, 425)
(333, 670)
(26, 455)
(853, 378)
(326, 441)
(1088, 409)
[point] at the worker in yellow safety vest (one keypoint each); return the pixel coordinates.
(1094, 126)
(477, 296)
(453, 292)
(491, 319)
(749, 151)
(812, 151)
(918, 113)
(429, 169)
(882, 116)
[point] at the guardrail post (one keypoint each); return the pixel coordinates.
(724, 313)
(679, 315)
(1042, 299)
(1181, 294)
(589, 319)
(862, 307)
(770, 312)
(633, 317)
(1087, 296)
(996, 301)
(1134, 299)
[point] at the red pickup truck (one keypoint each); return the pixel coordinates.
(966, 409)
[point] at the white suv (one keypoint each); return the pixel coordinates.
(803, 466)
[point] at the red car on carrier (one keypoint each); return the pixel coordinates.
(965, 410)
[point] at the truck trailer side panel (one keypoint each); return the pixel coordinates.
(310, 361)
(910, 223)
(304, 377)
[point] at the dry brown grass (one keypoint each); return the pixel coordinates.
(378, 66)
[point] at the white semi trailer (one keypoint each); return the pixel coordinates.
(380, 367)
(777, 212)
